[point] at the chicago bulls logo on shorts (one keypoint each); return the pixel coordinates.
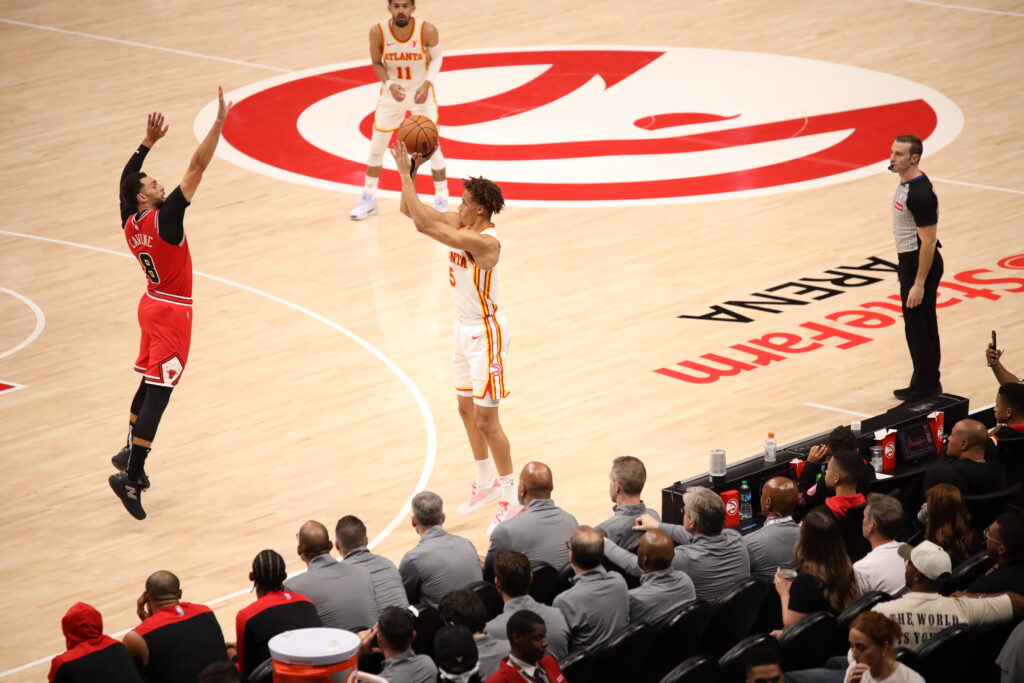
(600, 125)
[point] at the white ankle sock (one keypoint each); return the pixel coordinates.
(370, 186)
(483, 473)
(508, 488)
(440, 188)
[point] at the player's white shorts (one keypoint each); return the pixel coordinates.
(390, 114)
(481, 347)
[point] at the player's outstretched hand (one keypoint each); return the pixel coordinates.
(155, 128)
(222, 106)
(402, 159)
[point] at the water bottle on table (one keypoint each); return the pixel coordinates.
(746, 509)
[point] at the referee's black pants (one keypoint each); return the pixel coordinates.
(920, 324)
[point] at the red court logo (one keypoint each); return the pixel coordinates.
(600, 125)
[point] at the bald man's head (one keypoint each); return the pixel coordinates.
(586, 547)
(967, 435)
(313, 539)
(535, 481)
(162, 586)
(655, 551)
(778, 497)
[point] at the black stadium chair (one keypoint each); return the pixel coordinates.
(625, 653)
(732, 663)
(578, 666)
(428, 622)
(678, 639)
(944, 657)
(856, 545)
(966, 572)
(904, 487)
(862, 604)
(264, 673)
(490, 596)
(984, 508)
(699, 669)
(542, 587)
(564, 581)
(807, 643)
(734, 615)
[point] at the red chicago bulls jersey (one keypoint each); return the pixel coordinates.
(168, 267)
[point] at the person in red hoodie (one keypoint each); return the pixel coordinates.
(527, 663)
(91, 656)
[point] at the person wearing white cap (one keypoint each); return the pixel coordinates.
(922, 612)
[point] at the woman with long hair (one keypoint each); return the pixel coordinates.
(873, 638)
(949, 522)
(825, 581)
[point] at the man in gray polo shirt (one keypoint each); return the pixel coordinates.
(626, 483)
(441, 562)
(771, 546)
(597, 605)
(662, 589)
(714, 557)
(350, 538)
(540, 530)
(342, 593)
(512, 577)
(394, 634)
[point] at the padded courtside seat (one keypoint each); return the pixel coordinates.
(623, 657)
(841, 643)
(264, 673)
(734, 615)
(542, 587)
(699, 669)
(985, 507)
(732, 663)
(490, 596)
(578, 666)
(945, 656)
(428, 622)
(807, 643)
(966, 572)
(856, 545)
(678, 639)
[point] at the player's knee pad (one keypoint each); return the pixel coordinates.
(152, 410)
(437, 160)
(378, 144)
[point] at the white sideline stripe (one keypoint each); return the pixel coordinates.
(966, 9)
(981, 187)
(421, 402)
(145, 46)
(838, 410)
(40, 322)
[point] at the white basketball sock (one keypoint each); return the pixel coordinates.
(484, 478)
(508, 488)
(370, 186)
(440, 188)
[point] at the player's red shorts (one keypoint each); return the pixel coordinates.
(166, 336)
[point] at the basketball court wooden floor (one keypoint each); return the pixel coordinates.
(318, 383)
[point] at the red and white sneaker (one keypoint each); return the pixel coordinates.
(479, 496)
(506, 511)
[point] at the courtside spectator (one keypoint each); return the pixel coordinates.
(949, 522)
(712, 556)
(456, 656)
(662, 589)
(597, 605)
(351, 541)
(1011, 657)
(441, 562)
(540, 530)
(527, 663)
(512, 578)
(625, 485)
(343, 593)
(394, 634)
(1008, 435)
(1004, 541)
(220, 672)
(968, 468)
(763, 665)
(91, 656)
(882, 569)
(176, 640)
(825, 580)
(922, 612)
(463, 607)
(771, 546)
(841, 438)
(275, 611)
(842, 474)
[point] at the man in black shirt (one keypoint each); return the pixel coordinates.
(1004, 541)
(969, 467)
(915, 217)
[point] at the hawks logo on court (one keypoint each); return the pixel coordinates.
(597, 126)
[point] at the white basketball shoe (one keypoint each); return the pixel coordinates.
(366, 207)
(441, 203)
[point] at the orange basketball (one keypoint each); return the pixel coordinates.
(419, 135)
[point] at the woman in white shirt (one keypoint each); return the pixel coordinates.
(873, 638)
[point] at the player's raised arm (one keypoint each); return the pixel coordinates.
(155, 129)
(204, 152)
(434, 224)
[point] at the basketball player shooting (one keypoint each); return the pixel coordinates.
(406, 56)
(481, 332)
(153, 225)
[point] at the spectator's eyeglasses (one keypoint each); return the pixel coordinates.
(991, 538)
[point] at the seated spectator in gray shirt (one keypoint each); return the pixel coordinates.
(771, 546)
(713, 556)
(626, 483)
(540, 530)
(512, 577)
(441, 562)
(465, 608)
(342, 593)
(394, 634)
(597, 606)
(882, 569)
(350, 538)
(662, 589)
